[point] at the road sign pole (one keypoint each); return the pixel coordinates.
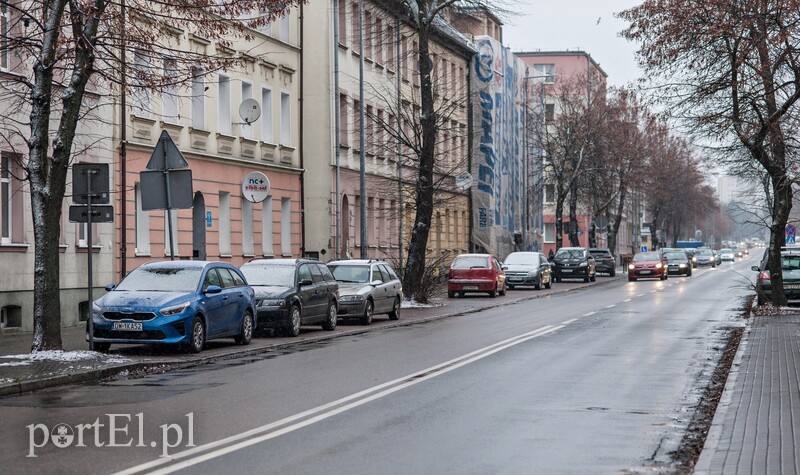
(89, 305)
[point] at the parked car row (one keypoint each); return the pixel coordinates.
(484, 273)
(190, 302)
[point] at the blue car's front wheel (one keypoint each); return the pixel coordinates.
(197, 337)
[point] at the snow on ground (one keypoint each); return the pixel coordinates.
(414, 304)
(62, 356)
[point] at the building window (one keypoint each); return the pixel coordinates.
(549, 193)
(547, 71)
(343, 22)
(368, 53)
(247, 93)
(284, 24)
(173, 217)
(224, 223)
(140, 92)
(11, 316)
(549, 232)
(247, 228)
(355, 28)
(224, 105)
(286, 119)
(198, 100)
(390, 46)
(266, 118)
(377, 31)
(286, 226)
(344, 125)
(142, 225)
(6, 200)
(267, 228)
(4, 27)
(356, 124)
(549, 112)
(170, 95)
(266, 29)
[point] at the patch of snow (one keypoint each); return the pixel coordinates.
(16, 363)
(56, 355)
(414, 304)
(6, 380)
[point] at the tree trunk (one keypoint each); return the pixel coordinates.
(414, 274)
(781, 207)
(614, 230)
(573, 214)
(559, 220)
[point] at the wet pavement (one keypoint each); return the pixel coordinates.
(21, 371)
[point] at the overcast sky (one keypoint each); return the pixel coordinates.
(588, 25)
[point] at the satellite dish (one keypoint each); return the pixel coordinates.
(249, 111)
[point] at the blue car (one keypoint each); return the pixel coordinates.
(176, 302)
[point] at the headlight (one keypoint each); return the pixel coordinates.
(682, 266)
(584, 264)
(271, 303)
(97, 311)
(174, 310)
(694, 259)
(631, 266)
(659, 265)
(351, 298)
(533, 273)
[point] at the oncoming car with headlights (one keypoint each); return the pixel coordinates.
(648, 265)
(175, 302)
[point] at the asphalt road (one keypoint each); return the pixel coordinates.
(596, 380)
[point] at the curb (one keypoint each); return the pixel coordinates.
(703, 464)
(14, 389)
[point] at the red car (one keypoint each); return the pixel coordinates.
(647, 265)
(476, 273)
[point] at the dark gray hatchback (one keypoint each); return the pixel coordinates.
(293, 292)
(604, 261)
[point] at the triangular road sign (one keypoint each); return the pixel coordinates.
(166, 155)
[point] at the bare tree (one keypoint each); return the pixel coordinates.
(734, 76)
(73, 46)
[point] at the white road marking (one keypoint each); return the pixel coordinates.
(270, 431)
(612, 306)
(627, 300)
(589, 314)
(569, 321)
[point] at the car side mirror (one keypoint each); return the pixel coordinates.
(755, 268)
(376, 283)
(306, 282)
(213, 289)
(504, 267)
(110, 287)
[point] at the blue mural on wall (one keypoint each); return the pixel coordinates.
(499, 203)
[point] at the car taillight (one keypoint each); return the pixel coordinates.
(763, 275)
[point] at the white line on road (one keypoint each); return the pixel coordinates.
(627, 300)
(612, 306)
(569, 321)
(271, 431)
(589, 314)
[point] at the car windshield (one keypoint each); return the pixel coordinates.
(570, 253)
(647, 257)
(600, 253)
(520, 258)
(677, 256)
(165, 279)
(727, 251)
(350, 274)
(471, 262)
(704, 252)
(269, 275)
(790, 262)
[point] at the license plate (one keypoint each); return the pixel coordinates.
(514, 280)
(566, 270)
(791, 286)
(127, 326)
(644, 272)
(470, 287)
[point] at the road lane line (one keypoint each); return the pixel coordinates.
(252, 436)
(569, 321)
(589, 314)
(612, 306)
(627, 300)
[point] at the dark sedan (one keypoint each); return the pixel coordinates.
(678, 263)
(527, 268)
(574, 263)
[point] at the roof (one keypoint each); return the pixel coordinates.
(563, 53)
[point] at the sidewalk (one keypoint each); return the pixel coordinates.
(22, 372)
(756, 429)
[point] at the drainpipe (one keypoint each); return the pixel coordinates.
(302, 173)
(398, 123)
(337, 125)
